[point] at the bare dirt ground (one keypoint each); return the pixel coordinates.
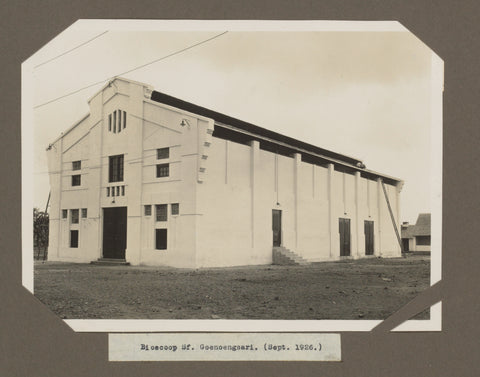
(353, 289)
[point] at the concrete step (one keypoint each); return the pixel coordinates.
(110, 262)
(284, 256)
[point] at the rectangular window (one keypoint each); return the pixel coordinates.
(108, 191)
(64, 213)
(84, 213)
(148, 210)
(163, 170)
(115, 168)
(74, 238)
(175, 208)
(76, 165)
(114, 122)
(118, 190)
(161, 212)
(161, 239)
(423, 240)
(123, 190)
(110, 122)
(124, 120)
(163, 153)
(74, 216)
(76, 180)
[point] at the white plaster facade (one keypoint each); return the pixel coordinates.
(225, 188)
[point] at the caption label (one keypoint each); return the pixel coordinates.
(224, 347)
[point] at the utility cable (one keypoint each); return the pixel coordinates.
(131, 70)
(72, 49)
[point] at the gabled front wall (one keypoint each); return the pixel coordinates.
(149, 126)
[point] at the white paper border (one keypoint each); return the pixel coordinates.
(235, 325)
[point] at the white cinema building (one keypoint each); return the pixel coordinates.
(150, 179)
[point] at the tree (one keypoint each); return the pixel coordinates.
(40, 231)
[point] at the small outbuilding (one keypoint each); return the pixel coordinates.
(150, 179)
(417, 238)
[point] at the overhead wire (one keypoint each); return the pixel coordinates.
(131, 70)
(72, 49)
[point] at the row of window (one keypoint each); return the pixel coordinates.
(161, 211)
(115, 167)
(74, 215)
(117, 121)
(116, 191)
(160, 239)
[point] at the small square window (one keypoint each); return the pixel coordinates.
(74, 238)
(161, 239)
(74, 216)
(161, 212)
(163, 170)
(76, 165)
(175, 208)
(148, 210)
(163, 153)
(64, 213)
(84, 213)
(76, 180)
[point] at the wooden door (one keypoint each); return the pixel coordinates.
(369, 238)
(277, 227)
(114, 232)
(344, 230)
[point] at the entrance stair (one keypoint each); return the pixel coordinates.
(284, 256)
(110, 262)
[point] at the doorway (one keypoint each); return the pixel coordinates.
(277, 227)
(369, 240)
(344, 230)
(114, 232)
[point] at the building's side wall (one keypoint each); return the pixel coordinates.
(243, 184)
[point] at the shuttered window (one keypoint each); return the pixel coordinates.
(161, 239)
(74, 238)
(163, 153)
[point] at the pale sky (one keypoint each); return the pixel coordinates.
(363, 94)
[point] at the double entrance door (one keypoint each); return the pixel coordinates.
(114, 232)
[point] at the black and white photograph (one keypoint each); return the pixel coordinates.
(234, 173)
